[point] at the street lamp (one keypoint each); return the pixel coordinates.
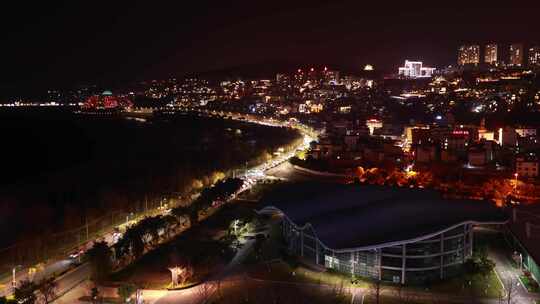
(516, 182)
(13, 281)
(31, 273)
(13, 274)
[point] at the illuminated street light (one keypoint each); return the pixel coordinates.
(13, 274)
(31, 273)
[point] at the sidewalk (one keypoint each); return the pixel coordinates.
(510, 275)
(73, 296)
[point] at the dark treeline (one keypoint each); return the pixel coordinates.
(60, 170)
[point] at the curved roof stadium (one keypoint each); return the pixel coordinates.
(366, 217)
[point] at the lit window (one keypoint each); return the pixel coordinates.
(331, 262)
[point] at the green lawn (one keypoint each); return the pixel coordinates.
(284, 272)
(529, 283)
(477, 284)
(289, 270)
(390, 299)
(248, 291)
(88, 299)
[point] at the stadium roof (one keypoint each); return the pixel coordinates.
(354, 216)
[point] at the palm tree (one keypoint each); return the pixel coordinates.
(150, 227)
(131, 243)
(171, 223)
(25, 292)
(193, 212)
(135, 237)
(100, 260)
(181, 212)
(121, 249)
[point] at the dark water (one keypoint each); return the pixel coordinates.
(58, 168)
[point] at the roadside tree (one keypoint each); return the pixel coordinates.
(25, 292)
(47, 288)
(99, 257)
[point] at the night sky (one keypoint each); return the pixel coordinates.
(75, 42)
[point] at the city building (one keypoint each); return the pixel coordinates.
(527, 165)
(534, 56)
(280, 78)
(491, 54)
(415, 69)
(106, 101)
(448, 156)
(399, 235)
(516, 54)
(484, 134)
(526, 131)
(477, 157)
(507, 136)
(425, 153)
(469, 54)
(331, 76)
(373, 124)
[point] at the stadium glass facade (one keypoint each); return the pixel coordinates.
(429, 257)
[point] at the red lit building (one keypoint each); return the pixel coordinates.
(106, 101)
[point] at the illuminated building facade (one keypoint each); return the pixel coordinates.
(373, 124)
(106, 101)
(516, 54)
(331, 76)
(534, 56)
(469, 54)
(415, 69)
(368, 67)
(490, 56)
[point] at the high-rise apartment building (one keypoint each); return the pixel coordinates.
(516, 54)
(469, 54)
(534, 56)
(490, 56)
